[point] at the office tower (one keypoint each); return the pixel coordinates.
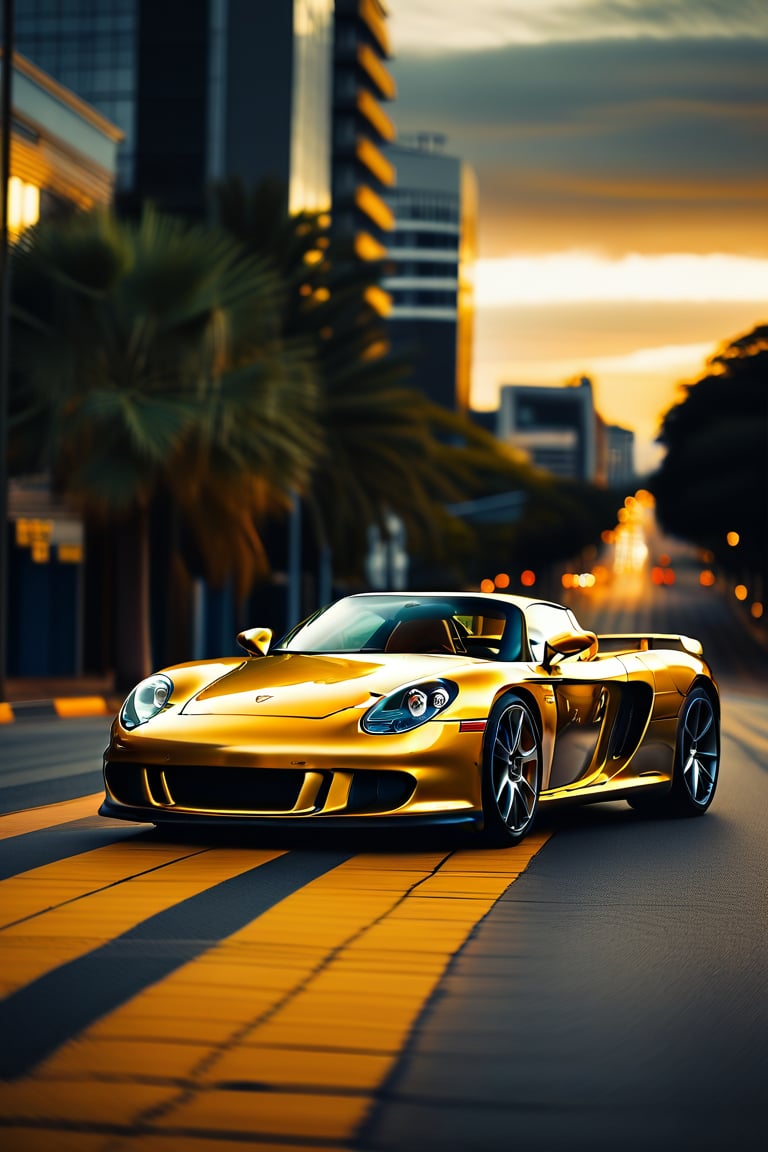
(431, 253)
(203, 90)
(361, 127)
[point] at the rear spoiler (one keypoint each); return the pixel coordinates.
(648, 641)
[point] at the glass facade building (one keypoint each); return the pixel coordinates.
(202, 90)
(431, 261)
(91, 47)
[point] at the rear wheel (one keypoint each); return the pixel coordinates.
(697, 760)
(511, 772)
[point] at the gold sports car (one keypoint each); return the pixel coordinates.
(400, 708)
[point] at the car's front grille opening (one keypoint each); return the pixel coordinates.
(379, 791)
(234, 789)
(126, 783)
(208, 789)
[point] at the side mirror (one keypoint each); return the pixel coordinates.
(256, 641)
(569, 644)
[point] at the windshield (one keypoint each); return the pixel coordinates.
(451, 625)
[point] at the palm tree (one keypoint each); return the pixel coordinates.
(382, 447)
(149, 359)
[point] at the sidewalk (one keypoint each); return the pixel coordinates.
(64, 696)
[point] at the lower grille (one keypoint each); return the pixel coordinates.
(126, 783)
(379, 791)
(205, 789)
(251, 791)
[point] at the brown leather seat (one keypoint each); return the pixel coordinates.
(420, 636)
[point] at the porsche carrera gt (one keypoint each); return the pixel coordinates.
(397, 708)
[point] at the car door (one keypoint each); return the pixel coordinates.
(589, 694)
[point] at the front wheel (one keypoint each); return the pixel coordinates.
(511, 772)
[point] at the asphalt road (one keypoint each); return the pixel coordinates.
(603, 989)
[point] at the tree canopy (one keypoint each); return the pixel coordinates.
(382, 446)
(148, 357)
(714, 477)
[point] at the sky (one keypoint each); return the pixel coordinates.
(621, 152)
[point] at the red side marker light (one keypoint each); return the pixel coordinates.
(472, 725)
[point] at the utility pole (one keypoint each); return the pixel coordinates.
(5, 307)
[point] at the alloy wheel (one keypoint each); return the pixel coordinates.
(699, 753)
(515, 767)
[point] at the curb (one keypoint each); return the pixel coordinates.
(64, 707)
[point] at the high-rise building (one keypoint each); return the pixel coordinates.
(202, 89)
(361, 127)
(431, 254)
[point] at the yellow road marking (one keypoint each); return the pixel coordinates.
(37, 819)
(56, 913)
(80, 706)
(286, 1030)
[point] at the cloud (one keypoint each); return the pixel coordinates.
(427, 27)
(579, 277)
(645, 134)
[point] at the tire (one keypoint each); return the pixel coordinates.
(697, 761)
(511, 772)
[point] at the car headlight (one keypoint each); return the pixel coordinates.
(146, 700)
(409, 707)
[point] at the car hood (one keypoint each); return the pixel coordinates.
(311, 687)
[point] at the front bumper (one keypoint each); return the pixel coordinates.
(200, 770)
(401, 821)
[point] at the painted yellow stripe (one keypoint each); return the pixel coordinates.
(56, 913)
(80, 706)
(308, 1006)
(49, 816)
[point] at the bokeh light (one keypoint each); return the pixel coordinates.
(487, 585)
(502, 580)
(741, 592)
(528, 578)
(733, 538)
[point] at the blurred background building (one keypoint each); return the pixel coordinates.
(431, 257)
(250, 94)
(63, 152)
(619, 449)
(63, 155)
(560, 431)
(290, 89)
(361, 173)
(158, 100)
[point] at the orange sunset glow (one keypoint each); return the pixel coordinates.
(622, 226)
